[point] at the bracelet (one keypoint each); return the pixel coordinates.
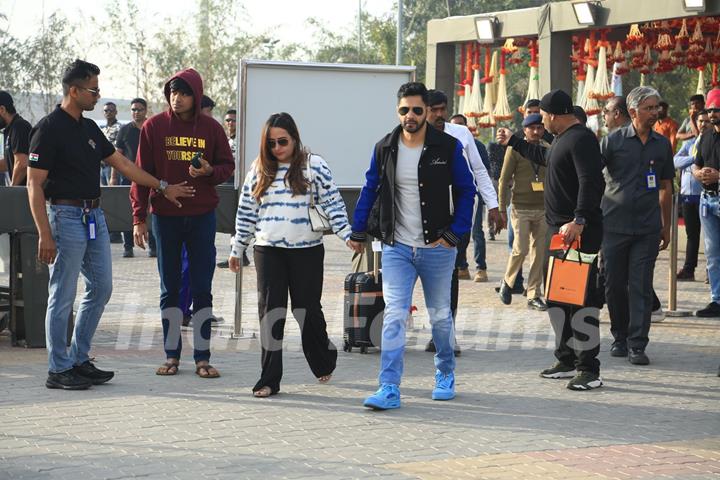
(140, 222)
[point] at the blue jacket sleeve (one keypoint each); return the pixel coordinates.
(464, 193)
(368, 194)
(683, 158)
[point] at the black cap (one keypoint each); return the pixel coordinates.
(557, 102)
(5, 99)
(532, 119)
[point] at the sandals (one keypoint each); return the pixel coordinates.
(168, 368)
(206, 371)
(325, 378)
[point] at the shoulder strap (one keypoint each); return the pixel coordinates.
(312, 180)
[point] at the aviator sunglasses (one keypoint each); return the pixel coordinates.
(283, 142)
(416, 110)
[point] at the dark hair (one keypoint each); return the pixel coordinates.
(697, 98)
(207, 102)
(232, 111)
(533, 102)
(412, 89)
(436, 97)
(140, 101)
(621, 106)
(580, 114)
(177, 84)
(461, 116)
(76, 72)
(266, 164)
(111, 103)
(663, 103)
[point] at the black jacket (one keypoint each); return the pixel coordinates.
(447, 190)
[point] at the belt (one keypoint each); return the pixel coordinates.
(95, 203)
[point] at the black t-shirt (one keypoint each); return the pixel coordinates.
(708, 154)
(127, 140)
(71, 151)
(17, 140)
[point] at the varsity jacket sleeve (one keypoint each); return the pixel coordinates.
(482, 179)
(246, 217)
(368, 194)
(464, 195)
(329, 198)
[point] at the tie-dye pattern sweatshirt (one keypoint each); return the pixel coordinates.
(280, 219)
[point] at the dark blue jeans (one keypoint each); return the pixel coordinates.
(197, 233)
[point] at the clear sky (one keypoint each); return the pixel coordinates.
(286, 19)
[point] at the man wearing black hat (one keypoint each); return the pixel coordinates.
(573, 190)
(527, 215)
(16, 131)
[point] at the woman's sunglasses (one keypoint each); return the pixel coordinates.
(283, 142)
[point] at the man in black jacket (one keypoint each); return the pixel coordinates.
(573, 190)
(419, 192)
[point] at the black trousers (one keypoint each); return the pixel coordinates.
(629, 266)
(298, 271)
(691, 214)
(577, 329)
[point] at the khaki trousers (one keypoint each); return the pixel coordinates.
(530, 228)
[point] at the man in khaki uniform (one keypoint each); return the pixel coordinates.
(527, 213)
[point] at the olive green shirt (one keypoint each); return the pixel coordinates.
(516, 179)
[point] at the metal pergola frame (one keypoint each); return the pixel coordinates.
(553, 24)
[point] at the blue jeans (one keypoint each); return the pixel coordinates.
(402, 265)
(479, 237)
(76, 254)
(197, 233)
(711, 226)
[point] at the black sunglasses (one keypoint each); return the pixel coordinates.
(137, 109)
(712, 110)
(283, 142)
(416, 110)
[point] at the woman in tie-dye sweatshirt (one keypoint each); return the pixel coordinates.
(273, 210)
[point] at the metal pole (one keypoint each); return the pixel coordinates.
(398, 40)
(672, 274)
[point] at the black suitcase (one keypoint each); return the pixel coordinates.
(363, 309)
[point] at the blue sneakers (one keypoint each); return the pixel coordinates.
(444, 386)
(386, 398)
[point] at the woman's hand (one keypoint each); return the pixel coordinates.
(234, 264)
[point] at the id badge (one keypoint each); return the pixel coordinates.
(651, 181)
(703, 210)
(537, 186)
(92, 231)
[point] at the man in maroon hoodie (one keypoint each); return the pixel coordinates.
(168, 143)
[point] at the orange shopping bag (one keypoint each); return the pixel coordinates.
(568, 275)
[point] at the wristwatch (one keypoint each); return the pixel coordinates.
(579, 221)
(162, 187)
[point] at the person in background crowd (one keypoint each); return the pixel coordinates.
(690, 191)
(689, 128)
(16, 132)
(111, 130)
(273, 209)
(527, 215)
(168, 143)
(127, 142)
(706, 170)
(207, 105)
(665, 125)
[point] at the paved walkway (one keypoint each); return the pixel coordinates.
(659, 421)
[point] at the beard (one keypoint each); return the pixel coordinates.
(412, 126)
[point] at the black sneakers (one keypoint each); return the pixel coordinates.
(619, 349)
(67, 380)
(558, 370)
(585, 381)
(90, 372)
(505, 293)
(712, 310)
(637, 356)
(537, 304)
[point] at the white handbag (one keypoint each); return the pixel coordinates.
(319, 221)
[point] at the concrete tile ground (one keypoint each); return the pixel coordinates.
(659, 421)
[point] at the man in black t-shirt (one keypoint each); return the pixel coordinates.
(66, 151)
(16, 131)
